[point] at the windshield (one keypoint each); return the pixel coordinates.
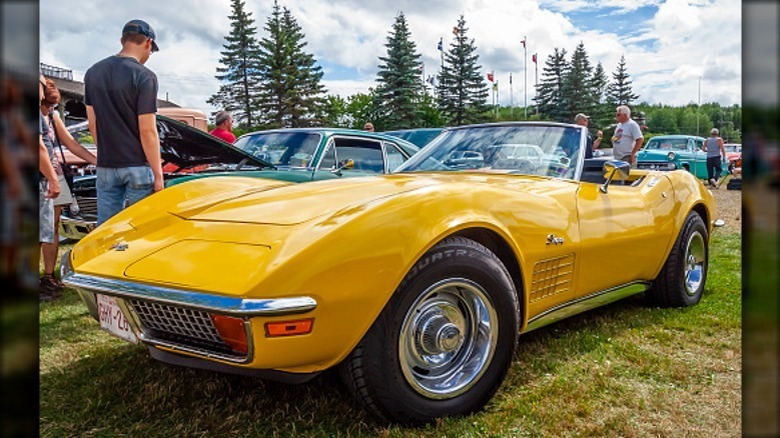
(282, 149)
(521, 148)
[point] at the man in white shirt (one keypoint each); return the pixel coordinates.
(628, 137)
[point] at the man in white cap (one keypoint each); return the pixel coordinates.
(121, 98)
(713, 146)
(582, 120)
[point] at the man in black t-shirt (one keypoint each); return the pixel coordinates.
(582, 120)
(121, 99)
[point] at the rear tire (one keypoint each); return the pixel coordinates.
(443, 343)
(681, 281)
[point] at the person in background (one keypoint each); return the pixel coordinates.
(628, 137)
(368, 127)
(224, 129)
(121, 99)
(18, 194)
(54, 136)
(48, 189)
(713, 146)
(582, 120)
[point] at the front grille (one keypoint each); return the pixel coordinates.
(188, 328)
(87, 208)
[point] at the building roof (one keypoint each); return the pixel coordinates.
(75, 90)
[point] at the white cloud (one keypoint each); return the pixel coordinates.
(665, 53)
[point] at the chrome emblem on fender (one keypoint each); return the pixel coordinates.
(554, 240)
(119, 246)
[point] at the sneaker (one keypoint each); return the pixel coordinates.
(51, 288)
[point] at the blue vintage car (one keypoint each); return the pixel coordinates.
(670, 152)
(419, 136)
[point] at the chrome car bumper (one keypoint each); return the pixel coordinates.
(656, 165)
(72, 228)
(175, 318)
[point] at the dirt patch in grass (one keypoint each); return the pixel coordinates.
(729, 204)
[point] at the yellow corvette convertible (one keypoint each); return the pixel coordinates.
(415, 285)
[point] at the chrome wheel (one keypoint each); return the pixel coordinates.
(448, 338)
(695, 257)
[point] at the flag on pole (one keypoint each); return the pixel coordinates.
(490, 76)
(533, 58)
(495, 86)
(455, 30)
(523, 42)
(440, 44)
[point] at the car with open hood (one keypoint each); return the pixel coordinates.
(415, 285)
(294, 155)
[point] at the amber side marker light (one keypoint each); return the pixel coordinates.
(288, 328)
(232, 331)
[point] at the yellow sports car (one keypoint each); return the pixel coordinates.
(415, 285)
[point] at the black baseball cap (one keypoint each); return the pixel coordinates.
(142, 27)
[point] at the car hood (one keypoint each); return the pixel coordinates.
(185, 147)
(242, 200)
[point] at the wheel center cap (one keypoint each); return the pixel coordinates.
(439, 332)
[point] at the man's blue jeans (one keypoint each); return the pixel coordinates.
(120, 185)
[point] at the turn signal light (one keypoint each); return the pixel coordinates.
(232, 331)
(288, 328)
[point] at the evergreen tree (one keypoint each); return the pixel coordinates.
(461, 88)
(601, 114)
(577, 94)
(400, 87)
(291, 94)
(619, 90)
(238, 68)
(549, 92)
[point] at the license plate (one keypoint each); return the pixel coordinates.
(113, 320)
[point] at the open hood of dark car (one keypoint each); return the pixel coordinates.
(186, 147)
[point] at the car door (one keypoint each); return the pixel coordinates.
(367, 156)
(624, 233)
(699, 161)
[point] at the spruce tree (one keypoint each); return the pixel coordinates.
(290, 92)
(238, 68)
(461, 88)
(400, 87)
(549, 92)
(601, 114)
(619, 90)
(576, 93)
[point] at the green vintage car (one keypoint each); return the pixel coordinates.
(294, 154)
(670, 152)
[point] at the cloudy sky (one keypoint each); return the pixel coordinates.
(677, 51)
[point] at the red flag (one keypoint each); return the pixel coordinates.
(533, 58)
(490, 76)
(455, 30)
(523, 42)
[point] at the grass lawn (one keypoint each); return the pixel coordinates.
(622, 370)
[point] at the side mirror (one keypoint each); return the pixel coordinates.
(343, 165)
(615, 170)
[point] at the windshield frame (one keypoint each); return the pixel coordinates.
(415, 163)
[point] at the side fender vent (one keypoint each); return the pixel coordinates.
(552, 277)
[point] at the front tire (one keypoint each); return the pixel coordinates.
(444, 341)
(681, 281)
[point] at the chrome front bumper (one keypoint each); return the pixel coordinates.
(147, 307)
(75, 229)
(656, 165)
